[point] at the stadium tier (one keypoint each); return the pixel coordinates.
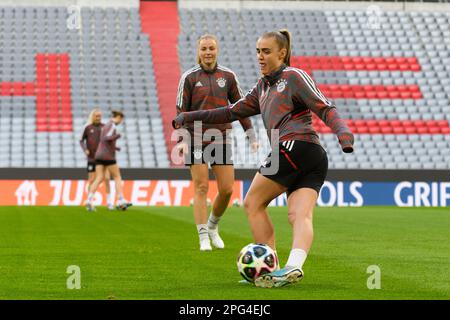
(390, 77)
(52, 74)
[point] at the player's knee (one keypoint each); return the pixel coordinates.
(291, 217)
(303, 216)
(226, 192)
(201, 189)
(251, 206)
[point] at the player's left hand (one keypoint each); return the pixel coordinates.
(346, 140)
(178, 122)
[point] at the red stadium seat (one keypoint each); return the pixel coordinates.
(374, 130)
(387, 130)
(434, 130)
(398, 130)
(422, 130)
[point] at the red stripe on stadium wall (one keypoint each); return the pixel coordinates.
(53, 102)
(356, 63)
(52, 91)
(390, 126)
(160, 21)
(347, 91)
(338, 63)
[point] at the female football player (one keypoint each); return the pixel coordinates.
(206, 86)
(89, 143)
(105, 159)
(286, 97)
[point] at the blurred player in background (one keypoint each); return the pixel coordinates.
(286, 98)
(105, 160)
(207, 86)
(89, 143)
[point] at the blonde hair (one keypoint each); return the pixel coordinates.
(283, 39)
(91, 115)
(205, 37)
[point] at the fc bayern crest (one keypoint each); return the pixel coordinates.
(198, 153)
(221, 82)
(281, 85)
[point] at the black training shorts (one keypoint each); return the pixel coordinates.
(301, 165)
(214, 154)
(105, 162)
(90, 166)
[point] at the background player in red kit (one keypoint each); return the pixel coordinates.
(209, 86)
(89, 142)
(105, 159)
(285, 97)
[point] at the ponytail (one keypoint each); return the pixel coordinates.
(287, 35)
(283, 39)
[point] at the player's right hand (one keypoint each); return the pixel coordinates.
(346, 140)
(178, 122)
(87, 152)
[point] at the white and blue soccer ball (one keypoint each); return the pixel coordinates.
(254, 260)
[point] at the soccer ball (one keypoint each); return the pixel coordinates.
(255, 260)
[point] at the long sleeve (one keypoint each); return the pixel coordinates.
(234, 95)
(83, 141)
(110, 135)
(183, 102)
(246, 107)
(306, 90)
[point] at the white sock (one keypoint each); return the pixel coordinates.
(120, 199)
(202, 230)
(296, 258)
(90, 196)
(110, 200)
(213, 221)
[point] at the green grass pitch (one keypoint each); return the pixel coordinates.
(152, 253)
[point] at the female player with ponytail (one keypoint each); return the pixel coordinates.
(286, 97)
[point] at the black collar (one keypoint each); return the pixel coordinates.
(274, 76)
(209, 71)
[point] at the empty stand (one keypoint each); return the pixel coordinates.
(391, 80)
(52, 76)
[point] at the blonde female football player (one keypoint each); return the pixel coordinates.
(286, 98)
(207, 86)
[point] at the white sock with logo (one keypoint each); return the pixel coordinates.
(202, 230)
(213, 221)
(296, 258)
